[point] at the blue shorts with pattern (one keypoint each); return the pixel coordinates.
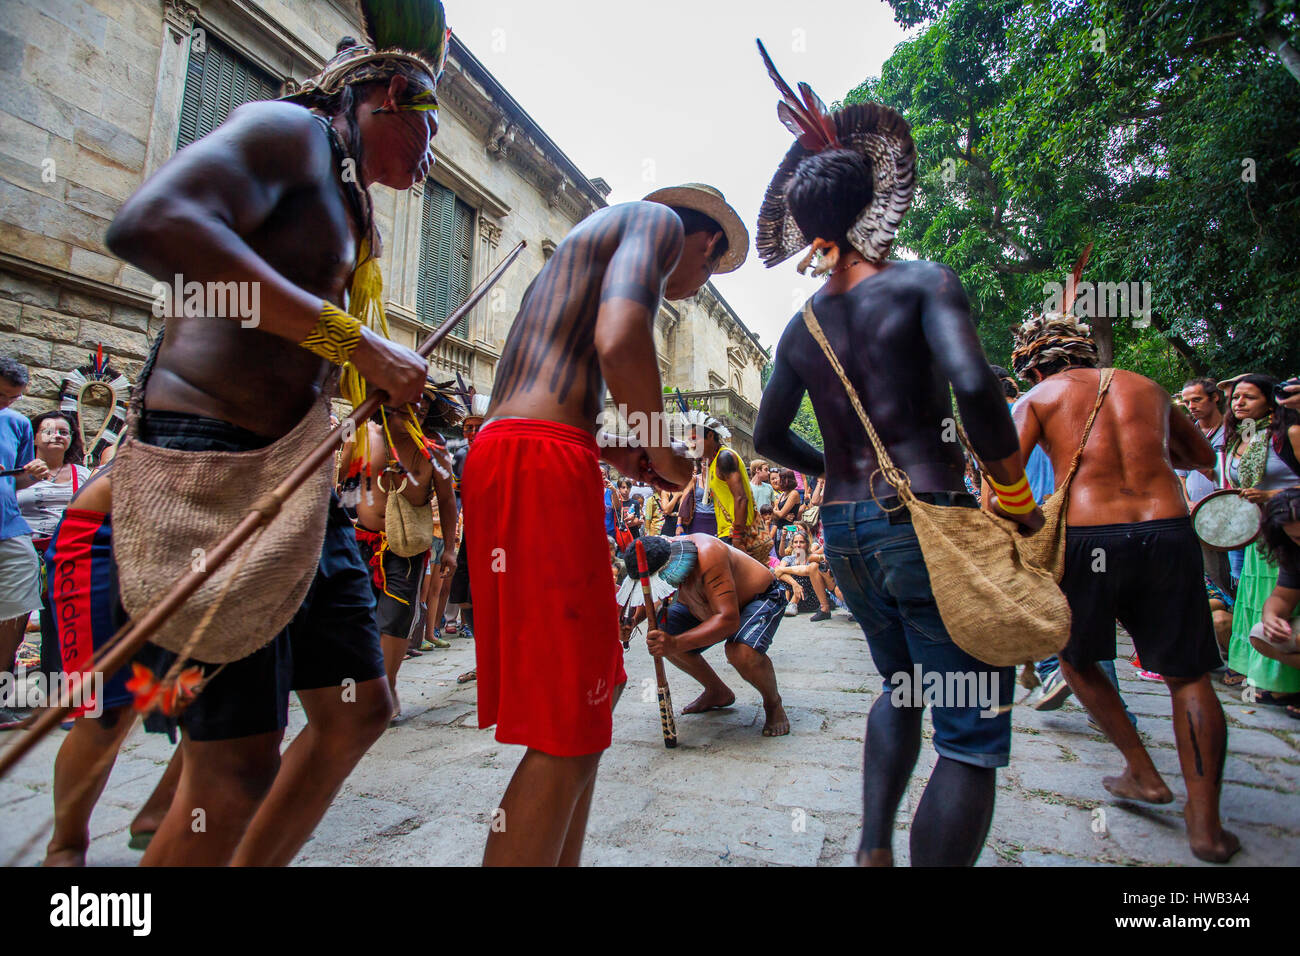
(759, 620)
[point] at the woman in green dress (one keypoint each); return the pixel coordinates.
(1263, 458)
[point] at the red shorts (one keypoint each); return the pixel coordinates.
(545, 618)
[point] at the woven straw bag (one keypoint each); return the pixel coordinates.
(996, 605)
(1046, 546)
(750, 539)
(169, 505)
(409, 528)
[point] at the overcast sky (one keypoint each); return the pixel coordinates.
(653, 94)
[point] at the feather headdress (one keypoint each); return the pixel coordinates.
(876, 131)
(445, 409)
(700, 419)
(1050, 337)
(411, 33)
(671, 561)
(97, 374)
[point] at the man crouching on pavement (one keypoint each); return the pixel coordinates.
(722, 595)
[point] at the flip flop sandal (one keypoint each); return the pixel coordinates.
(1292, 711)
(1233, 679)
(1275, 699)
(412, 652)
(468, 676)
(139, 841)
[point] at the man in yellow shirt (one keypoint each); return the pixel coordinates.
(727, 483)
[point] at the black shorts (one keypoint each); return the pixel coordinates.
(1149, 577)
(333, 636)
(458, 593)
(398, 598)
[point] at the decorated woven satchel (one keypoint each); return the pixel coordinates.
(995, 603)
(408, 527)
(171, 505)
(751, 539)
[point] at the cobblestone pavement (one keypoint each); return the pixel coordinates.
(728, 796)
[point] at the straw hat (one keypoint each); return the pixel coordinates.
(1228, 384)
(704, 198)
(876, 131)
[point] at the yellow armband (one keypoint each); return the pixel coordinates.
(334, 336)
(1015, 498)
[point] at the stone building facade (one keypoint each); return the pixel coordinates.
(96, 94)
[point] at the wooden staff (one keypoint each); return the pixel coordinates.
(127, 642)
(666, 720)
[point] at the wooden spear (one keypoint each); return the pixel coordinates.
(667, 723)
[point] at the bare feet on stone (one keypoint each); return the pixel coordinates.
(778, 725)
(69, 856)
(1209, 841)
(713, 699)
(1128, 787)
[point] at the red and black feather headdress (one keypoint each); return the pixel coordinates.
(879, 133)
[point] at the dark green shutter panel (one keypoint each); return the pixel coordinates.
(446, 247)
(461, 254)
(216, 81)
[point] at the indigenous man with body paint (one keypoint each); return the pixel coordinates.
(277, 196)
(902, 332)
(547, 636)
(1130, 555)
(725, 481)
(723, 597)
(417, 469)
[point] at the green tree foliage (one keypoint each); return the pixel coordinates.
(805, 422)
(1165, 133)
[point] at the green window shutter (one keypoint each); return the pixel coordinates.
(446, 247)
(461, 256)
(216, 81)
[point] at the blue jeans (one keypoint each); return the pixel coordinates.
(879, 568)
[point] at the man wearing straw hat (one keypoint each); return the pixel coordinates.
(1130, 555)
(276, 198)
(902, 332)
(547, 638)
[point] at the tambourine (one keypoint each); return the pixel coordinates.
(1225, 521)
(1288, 647)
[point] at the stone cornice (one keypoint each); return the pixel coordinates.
(75, 283)
(510, 135)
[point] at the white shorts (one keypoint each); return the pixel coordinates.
(20, 577)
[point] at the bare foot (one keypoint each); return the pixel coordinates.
(68, 856)
(883, 857)
(1210, 842)
(711, 700)
(1127, 787)
(778, 725)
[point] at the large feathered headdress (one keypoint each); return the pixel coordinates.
(1050, 337)
(399, 33)
(445, 409)
(670, 562)
(700, 419)
(96, 375)
(876, 131)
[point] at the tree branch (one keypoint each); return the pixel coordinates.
(1276, 39)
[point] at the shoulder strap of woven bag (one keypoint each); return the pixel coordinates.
(1106, 375)
(135, 403)
(891, 473)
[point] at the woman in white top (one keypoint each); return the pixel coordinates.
(42, 503)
